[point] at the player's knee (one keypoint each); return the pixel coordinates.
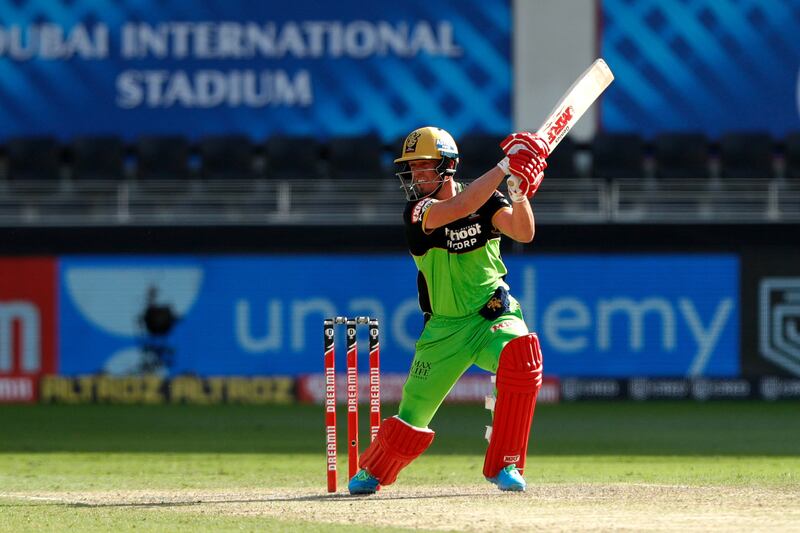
(522, 354)
(520, 365)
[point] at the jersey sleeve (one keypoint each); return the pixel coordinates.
(495, 203)
(419, 241)
(415, 212)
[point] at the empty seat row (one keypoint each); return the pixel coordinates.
(219, 157)
(612, 156)
(739, 155)
(684, 155)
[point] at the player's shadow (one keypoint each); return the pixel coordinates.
(268, 499)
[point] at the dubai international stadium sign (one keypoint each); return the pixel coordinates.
(300, 68)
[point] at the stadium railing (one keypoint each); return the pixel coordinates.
(262, 195)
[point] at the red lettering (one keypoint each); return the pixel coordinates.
(560, 124)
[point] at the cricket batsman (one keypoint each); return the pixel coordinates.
(453, 233)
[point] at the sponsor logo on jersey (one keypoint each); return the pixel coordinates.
(420, 208)
(463, 238)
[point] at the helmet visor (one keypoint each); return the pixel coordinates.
(414, 187)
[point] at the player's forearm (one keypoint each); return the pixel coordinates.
(523, 225)
(473, 197)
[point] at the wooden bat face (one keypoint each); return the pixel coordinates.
(578, 98)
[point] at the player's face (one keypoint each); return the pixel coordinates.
(423, 174)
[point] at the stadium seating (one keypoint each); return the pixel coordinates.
(359, 157)
(789, 195)
(162, 157)
(34, 171)
(290, 158)
(746, 155)
(681, 156)
(163, 187)
(226, 157)
(792, 157)
(561, 163)
(746, 167)
(609, 178)
(33, 159)
(97, 166)
(396, 148)
(477, 153)
(97, 158)
(617, 156)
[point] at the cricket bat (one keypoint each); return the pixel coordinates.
(586, 89)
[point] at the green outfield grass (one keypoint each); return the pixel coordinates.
(51, 449)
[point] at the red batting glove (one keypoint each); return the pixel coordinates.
(525, 141)
(527, 172)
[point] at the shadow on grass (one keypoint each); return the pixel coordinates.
(631, 428)
(270, 499)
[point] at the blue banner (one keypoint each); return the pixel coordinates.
(639, 315)
(702, 65)
(221, 66)
(617, 316)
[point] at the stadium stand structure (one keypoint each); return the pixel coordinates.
(792, 157)
(97, 158)
(675, 177)
(293, 158)
(683, 156)
(746, 155)
(162, 158)
(225, 157)
(477, 154)
(30, 159)
(617, 156)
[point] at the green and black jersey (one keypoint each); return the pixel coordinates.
(459, 264)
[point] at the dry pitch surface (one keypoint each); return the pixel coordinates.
(586, 507)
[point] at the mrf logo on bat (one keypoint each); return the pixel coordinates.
(559, 127)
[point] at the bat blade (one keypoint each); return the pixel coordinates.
(578, 98)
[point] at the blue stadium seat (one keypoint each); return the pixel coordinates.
(162, 157)
(33, 159)
(617, 156)
(290, 158)
(477, 153)
(746, 155)
(226, 157)
(682, 155)
(98, 158)
(359, 157)
(792, 156)
(561, 163)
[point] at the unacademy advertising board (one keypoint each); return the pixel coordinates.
(617, 316)
(218, 66)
